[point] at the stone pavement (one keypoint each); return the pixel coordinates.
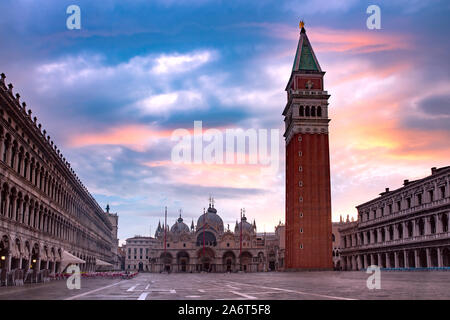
(244, 286)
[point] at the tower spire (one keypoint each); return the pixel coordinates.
(305, 59)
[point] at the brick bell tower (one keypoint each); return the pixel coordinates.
(308, 194)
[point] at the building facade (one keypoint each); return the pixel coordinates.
(207, 247)
(45, 210)
(116, 257)
(403, 228)
(308, 191)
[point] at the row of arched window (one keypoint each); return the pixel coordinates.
(403, 204)
(19, 156)
(409, 229)
(24, 209)
(25, 160)
(310, 111)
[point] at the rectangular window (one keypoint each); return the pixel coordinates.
(408, 203)
(419, 199)
(399, 205)
(390, 208)
(431, 194)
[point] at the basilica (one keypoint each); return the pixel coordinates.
(207, 247)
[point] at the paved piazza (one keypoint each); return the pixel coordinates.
(249, 286)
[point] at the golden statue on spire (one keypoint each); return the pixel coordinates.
(301, 24)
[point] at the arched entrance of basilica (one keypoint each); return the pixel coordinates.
(229, 261)
(166, 261)
(245, 261)
(205, 257)
(182, 261)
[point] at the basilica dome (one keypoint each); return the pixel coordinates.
(179, 226)
(212, 220)
(246, 227)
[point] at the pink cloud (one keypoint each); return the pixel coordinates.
(136, 137)
(335, 40)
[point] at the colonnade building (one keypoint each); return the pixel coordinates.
(403, 228)
(47, 216)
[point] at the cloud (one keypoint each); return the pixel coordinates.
(180, 63)
(330, 40)
(171, 102)
(431, 113)
(135, 137)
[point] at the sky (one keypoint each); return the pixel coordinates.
(112, 93)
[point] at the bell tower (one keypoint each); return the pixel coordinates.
(308, 191)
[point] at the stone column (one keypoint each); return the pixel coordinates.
(31, 173)
(396, 235)
(439, 228)
(7, 205)
(427, 225)
(386, 234)
(372, 259)
(439, 257)
(416, 257)
(388, 261)
(365, 261)
(415, 226)
(19, 218)
(428, 257)
(14, 207)
(405, 259)
(396, 259)
(8, 155)
(25, 213)
(380, 260)
(22, 164)
(2, 146)
(8, 262)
